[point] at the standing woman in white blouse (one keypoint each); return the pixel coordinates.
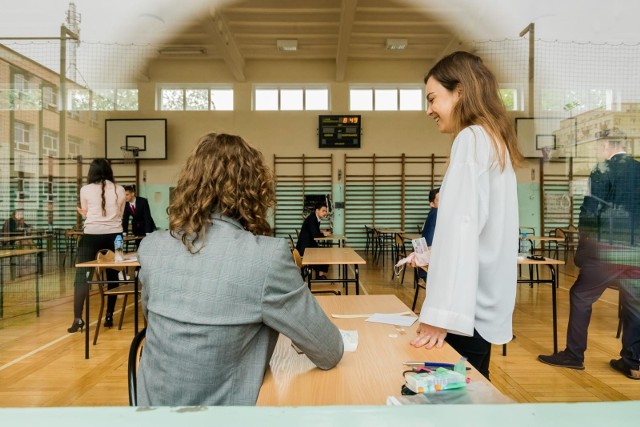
(102, 205)
(473, 269)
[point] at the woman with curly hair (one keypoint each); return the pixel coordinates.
(217, 291)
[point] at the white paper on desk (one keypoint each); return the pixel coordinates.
(349, 339)
(392, 319)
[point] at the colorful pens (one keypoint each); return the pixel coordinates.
(432, 365)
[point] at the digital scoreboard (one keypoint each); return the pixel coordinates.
(339, 131)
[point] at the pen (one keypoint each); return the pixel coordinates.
(432, 365)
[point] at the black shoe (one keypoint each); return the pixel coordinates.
(108, 320)
(562, 359)
(620, 366)
(77, 324)
(321, 278)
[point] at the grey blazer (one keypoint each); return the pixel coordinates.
(214, 317)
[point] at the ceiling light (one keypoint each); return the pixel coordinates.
(396, 44)
(287, 45)
(178, 51)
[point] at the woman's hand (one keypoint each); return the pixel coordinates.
(82, 212)
(429, 336)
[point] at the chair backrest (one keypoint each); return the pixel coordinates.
(292, 244)
(400, 244)
(135, 353)
(560, 233)
(297, 258)
(572, 228)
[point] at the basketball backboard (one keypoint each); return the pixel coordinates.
(146, 137)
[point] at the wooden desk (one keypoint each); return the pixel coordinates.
(127, 263)
(334, 256)
(326, 239)
(551, 264)
(10, 253)
(364, 377)
(411, 236)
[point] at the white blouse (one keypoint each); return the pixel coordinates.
(473, 269)
(91, 201)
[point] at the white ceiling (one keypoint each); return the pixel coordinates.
(340, 30)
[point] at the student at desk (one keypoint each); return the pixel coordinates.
(472, 272)
(217, 291)
(429, 226)
(309, 231)
(14, 226)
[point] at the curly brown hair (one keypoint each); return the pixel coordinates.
(223, 174)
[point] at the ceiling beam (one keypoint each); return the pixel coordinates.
(221, 36)
(347, 17)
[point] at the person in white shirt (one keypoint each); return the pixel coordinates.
(472, 272)
(102, 204)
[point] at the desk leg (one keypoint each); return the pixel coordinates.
(86, 319)
(554, 286)
(135, 302)
(39, 268)
(1, 289)
(355, 267)
(345, 276)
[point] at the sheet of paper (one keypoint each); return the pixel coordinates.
(350, 340)
(392, 319)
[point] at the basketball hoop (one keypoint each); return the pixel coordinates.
(129, 154)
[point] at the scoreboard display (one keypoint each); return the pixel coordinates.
(339, 131)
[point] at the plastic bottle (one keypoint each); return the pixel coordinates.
(525, 246)
(118, 249)
(460, 366)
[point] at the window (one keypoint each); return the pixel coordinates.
(114, 99)
(79, 100)
(22, 136)
(74, 147)
(195, 98)
(511, 98)
(49, 143)
(386, 99)
(291, 99)
(50, 97)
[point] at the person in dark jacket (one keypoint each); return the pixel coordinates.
(308, 233)
(137, 208)
(429, 226)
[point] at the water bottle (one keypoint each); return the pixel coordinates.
(525, 246)
(118, 249)
(460, 367)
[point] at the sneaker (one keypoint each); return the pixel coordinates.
(562, 359)
(620, 366)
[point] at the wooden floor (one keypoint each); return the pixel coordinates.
(42, 365)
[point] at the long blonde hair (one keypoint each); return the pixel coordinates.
(223, 174)
(479, 102)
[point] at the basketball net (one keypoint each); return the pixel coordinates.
(129, 155)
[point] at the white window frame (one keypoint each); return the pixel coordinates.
(385, 87)
(519, 95)
(289, 87)
(50, 143)
(23, 137)
(210, 88)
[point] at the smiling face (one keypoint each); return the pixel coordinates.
(440, 103)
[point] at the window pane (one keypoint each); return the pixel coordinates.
(386, 100)
(361, 99)
(197, 99)
(411, 99)
(266, 99)
(509, 99)
(291, 99)
(79, 100)
(316, 99)
(127, 99)
(103, 100)
(171, 99)
(222, 99)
